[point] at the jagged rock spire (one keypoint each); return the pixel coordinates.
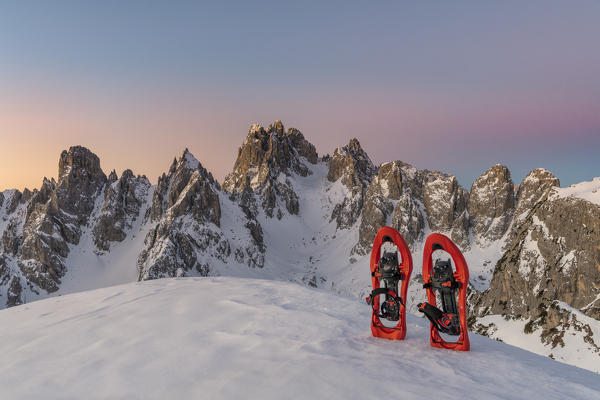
(267, 153)
(491, 204)
(187, 186)
(352, 166)
(55, 215)
(535, 185)
(80, 179)
(263, 157)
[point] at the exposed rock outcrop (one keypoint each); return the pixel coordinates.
(187, 186)
(354, 169)
(55, 215)
(187, 210)
(446, 206)
(123, 201)
(553, 257)
(264, 160)
(13, 294)
(491, 204)
(536, 185)
(80, 180)
(394, 198)
(16, 198)
(405, 198)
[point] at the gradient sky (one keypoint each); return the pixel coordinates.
(456, 86)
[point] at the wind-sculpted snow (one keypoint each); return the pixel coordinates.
(225, 338)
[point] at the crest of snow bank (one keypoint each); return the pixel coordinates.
(589, 191)
(241, 338)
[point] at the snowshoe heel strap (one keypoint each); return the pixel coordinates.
(445, 323)
(390, 306)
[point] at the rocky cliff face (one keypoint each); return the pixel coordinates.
(187, 209)
(394, 198)
(55, 215)
(553, 256)
(122, 203)
(491, 204)
(352, 167)
(536, 185)
(446, 206)
(409, 200)
(549, 274)
(265, 160)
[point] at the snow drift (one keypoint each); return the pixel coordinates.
(224, 338)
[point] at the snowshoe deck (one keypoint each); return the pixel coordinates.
(386, 269)
(451, 319)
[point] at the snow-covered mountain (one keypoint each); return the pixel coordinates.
(225, 338)
(284, 213)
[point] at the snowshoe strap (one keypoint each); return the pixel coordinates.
(379, 291)
(390, 307)
(445, 323)
(442, 285)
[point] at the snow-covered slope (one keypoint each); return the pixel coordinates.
(589, 191)
(224, 338)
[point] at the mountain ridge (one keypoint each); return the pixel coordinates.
(285, 213)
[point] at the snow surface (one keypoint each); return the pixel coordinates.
(589, 191)
(224, 338)
(575, 351)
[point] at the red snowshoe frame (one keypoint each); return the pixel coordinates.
(377, 328)
(437, 241)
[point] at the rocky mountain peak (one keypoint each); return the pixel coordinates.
(80, 179)
(187, 160)
(55, 215)
(112, 177)
(390, 194)
(491, 204)
(533, 188)
(446, 205)
(264, 157)
(277, 127)
(185, 170)
(267, 153)
(352, 164)
(77, 161)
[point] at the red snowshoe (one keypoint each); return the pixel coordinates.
(386, 273)
(441, 278)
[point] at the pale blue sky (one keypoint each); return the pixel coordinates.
(456, 86)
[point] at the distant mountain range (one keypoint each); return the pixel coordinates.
(286, 213)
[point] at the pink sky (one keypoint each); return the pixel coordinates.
(144, 133)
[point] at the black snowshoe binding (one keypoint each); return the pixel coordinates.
(389, 275)
(445, 320)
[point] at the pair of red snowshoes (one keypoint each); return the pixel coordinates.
(390, 304)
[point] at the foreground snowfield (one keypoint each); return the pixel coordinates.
(225, 338)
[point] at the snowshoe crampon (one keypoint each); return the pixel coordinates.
(386, 273)
(451, 319)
